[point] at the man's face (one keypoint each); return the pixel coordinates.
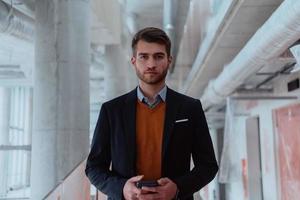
(151, 62)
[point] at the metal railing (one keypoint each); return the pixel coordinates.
(75, 186)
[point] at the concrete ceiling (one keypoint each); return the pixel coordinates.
(145, 7)
(243, 20)
(105, 30)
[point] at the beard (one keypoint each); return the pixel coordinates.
(152, 79)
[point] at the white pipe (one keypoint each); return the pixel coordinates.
(170, 10)
(169, 17)
(216, 27)
(279, 32)
(131, 23)
(14, 23)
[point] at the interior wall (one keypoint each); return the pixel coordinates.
(263, 109)
(288, 151)
(211, 191)
(236, 189)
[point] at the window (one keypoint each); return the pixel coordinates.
(15, 141)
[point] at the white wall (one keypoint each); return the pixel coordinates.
(263, 109)
(211, 191)
(234, 189)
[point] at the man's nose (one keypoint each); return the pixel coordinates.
(151, 63)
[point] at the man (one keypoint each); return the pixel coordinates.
(151, 133)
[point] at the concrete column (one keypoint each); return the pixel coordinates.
(118, 72)
(60, 137)
(4, 130)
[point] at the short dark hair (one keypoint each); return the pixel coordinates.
(152, 34)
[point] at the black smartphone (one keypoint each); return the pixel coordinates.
(140, 184)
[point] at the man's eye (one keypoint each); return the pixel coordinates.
(143, 57)
(159, 57)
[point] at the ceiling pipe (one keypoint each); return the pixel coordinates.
(131, 19)
(279, 32)
(23, 6)
(169, 17)
(216, 27)
(15, 23)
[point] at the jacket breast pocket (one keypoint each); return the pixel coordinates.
(182, 123)
(182, 131)
(181, 141)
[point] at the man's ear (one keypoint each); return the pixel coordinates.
(133, 60)
(170, 58)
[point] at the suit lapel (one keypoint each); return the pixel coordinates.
(170, 117)
(129, 122)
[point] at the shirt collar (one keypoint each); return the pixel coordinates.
(162, 94)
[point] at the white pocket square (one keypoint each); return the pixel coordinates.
(181, 120)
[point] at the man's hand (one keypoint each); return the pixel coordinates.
(130, 191)
(166, 191)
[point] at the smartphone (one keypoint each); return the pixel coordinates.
(140, 184)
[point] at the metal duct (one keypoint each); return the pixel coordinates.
(170, 10)
(14, 23)
(279, 32)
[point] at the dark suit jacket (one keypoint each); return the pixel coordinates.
(114, 142)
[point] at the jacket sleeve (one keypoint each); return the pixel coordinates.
(99, 159)
(205, 164)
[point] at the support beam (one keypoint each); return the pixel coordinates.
(15, 147)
